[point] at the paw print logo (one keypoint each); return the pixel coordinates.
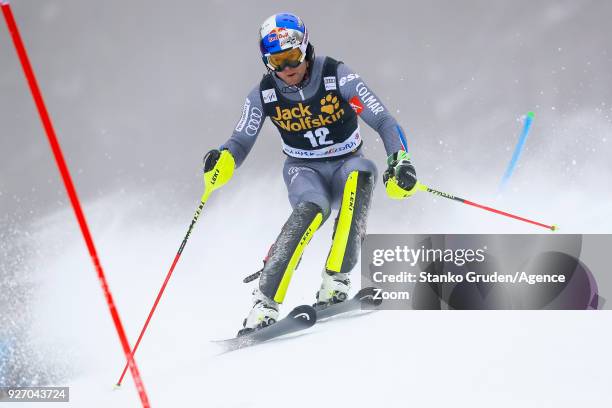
(330, 104)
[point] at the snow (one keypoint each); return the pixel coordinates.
(395, 358)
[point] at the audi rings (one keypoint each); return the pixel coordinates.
(252, 126)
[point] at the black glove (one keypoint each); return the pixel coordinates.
(210, 159)
(219, 168)
(402, 169)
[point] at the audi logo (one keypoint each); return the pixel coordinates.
(254, 121)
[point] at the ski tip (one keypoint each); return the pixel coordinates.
(304, 313)
(530, 115)
(366, 295)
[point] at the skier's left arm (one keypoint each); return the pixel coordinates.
(400, 176)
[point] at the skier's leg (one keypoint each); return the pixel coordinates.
(287, 250)
(353, 184)
(311, 203)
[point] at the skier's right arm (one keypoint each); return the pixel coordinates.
(247, 129)
(244, 135)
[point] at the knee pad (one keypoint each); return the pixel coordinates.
(288, 248)
(350, 226)
(318, 199)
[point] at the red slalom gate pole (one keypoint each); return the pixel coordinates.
(72, 194)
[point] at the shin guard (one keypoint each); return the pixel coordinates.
(288, 248)
(350, 226)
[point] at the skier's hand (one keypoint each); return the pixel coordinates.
(400, 177)
(218, 168)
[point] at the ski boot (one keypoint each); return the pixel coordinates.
(263, 313)
(334, 289)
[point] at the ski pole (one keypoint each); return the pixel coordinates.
(212, 180)
(423, 187)
(517, 150)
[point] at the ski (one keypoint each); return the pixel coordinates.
(300, 318)
(365, 296)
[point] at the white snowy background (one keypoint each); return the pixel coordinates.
(140, 90)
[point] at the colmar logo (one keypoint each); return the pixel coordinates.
(368, 99)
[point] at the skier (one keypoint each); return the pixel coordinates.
(314, 102)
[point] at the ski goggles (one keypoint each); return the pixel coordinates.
(290, 58)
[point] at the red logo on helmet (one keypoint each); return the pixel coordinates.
(278, 33)
(356, 104)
